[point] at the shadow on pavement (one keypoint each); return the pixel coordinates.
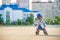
(51, 35)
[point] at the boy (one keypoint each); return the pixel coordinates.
(40, 25)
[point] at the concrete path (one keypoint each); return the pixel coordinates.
(27, 33)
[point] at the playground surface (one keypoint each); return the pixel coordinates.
(28, 33)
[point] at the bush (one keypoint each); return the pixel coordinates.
(19, 22)
(1, 19)
(14, 23)
(8, 21)
(30, 20)
(50, 21)
(57, 20)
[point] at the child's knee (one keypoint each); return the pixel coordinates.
(43, 28)
(37, 30)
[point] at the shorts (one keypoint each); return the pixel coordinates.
(40, 27)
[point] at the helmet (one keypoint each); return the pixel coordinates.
(39, 15)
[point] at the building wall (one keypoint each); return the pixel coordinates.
(36, 0)
(58, 7)
(44, 8)
(0, 2)
(23, 3)
(6, 1)
(47, 9)
(16, 14)
(9, 10)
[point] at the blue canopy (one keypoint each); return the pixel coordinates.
(15, 7)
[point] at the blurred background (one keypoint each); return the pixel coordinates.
(23, 12)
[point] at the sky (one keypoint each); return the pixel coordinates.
(12, 1)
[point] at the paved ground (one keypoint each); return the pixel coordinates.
(27, 33)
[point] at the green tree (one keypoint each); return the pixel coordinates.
(30, 20)
(1, 19)
(8, 21)
(48, 21)
(57, 20)
(19, 22)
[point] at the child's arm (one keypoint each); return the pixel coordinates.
(43, 24)
(36, 24)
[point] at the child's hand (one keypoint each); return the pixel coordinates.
(44, 28)
(36, 27)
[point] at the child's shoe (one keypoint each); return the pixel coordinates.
(37, 33)
(45, 33)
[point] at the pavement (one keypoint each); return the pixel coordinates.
(28, 33)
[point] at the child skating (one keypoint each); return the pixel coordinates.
(40, 25)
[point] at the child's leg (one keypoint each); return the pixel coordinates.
(45, 32)
(37, 31)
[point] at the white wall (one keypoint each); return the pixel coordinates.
(43, 0)
(30, 4)
(16, 14)
(23, 3)
(5, 10)
(0, 2)
(13, 1)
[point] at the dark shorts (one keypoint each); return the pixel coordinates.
(40, 28)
